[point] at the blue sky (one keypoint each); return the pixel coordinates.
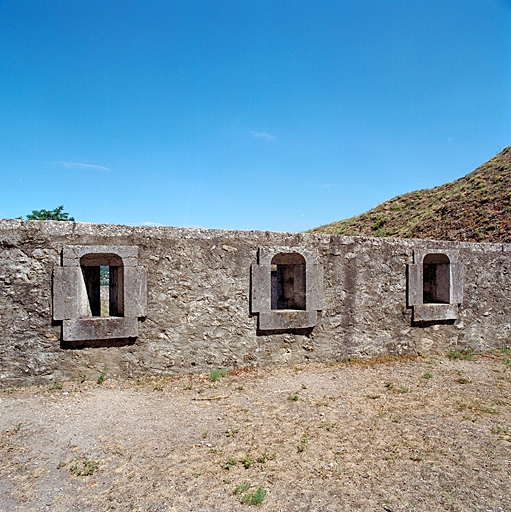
(270, 115)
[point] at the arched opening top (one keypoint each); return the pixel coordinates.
(101, 259)
(436, 277)
(436, 258)
(288, 258)
(288, 281)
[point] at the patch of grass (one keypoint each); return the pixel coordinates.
(303, 441)
(500, 430)
(465, 354)
(248, 498)
(254, 499)
(476, 407)
(293, 397)
(84, 468)
(231, 461)
(56, 385)
(505, 350)
(214, 375)
(239, 388)
(158, 387)
(462, 380)
(265, 457)
(427, 376)
(205, 434)
(373, 397)
(17, 427)
(402, 389)
(247, 461)
(507, 362)
(230, 433)
(242, 488)
(188, 386)
(101, 377)
(328, 426)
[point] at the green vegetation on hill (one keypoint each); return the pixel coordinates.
(474, 208)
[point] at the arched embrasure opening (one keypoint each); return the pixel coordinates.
(103, 275)
(436, 279)
(288, 281)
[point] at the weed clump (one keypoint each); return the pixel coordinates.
(254, 499)
(249, 498)
(85, 468)
(303, 441)
(465, 354)
(248, 462)
(230, 462)
(214, 375)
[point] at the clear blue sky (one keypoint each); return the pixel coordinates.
(272, 115)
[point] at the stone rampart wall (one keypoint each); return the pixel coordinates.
(195, 300)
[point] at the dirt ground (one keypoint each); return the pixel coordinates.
(424, 434)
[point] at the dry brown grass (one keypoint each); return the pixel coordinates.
(476, 207)
(426, 434)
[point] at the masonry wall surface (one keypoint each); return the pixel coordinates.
(198, 302)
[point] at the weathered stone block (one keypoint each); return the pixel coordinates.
(99, 328)
(266, 254)
(414, 284)
(69, 294)
(457, 281)
(314, 287)
(285, 319)
(135, 292)
(435, 312)
(261, 288)
(72, 254)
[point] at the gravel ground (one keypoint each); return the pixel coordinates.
(423, 434)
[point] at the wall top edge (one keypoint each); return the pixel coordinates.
(64, 228)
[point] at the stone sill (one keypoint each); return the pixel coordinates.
(280, 319)
(99, 328)
(435, 312)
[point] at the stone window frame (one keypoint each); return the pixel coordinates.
(261, 291)
(71, 302)
(431, 311)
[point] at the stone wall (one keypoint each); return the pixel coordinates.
(201, 313)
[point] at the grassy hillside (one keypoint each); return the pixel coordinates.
(475, 208)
